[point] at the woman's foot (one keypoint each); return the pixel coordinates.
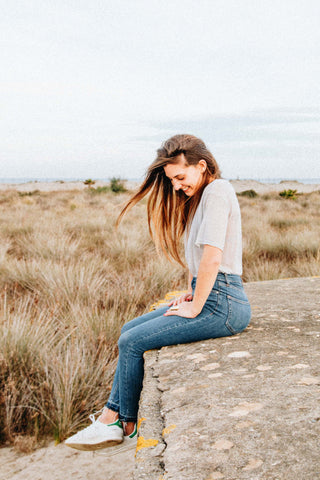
(98, 434)
(108, 416)
(129, 428)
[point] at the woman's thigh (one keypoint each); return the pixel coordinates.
(143, 319)
(161, 331)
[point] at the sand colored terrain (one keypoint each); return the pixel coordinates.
(262, 188)
(58, 462)
(239, 186)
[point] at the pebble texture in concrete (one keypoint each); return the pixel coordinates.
(241, 407)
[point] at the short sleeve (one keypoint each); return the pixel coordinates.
(213, 227)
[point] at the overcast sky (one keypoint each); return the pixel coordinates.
(92, 88)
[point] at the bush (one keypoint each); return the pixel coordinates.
(29, 194)
(248, 193)
(291, 194)
(89, 182)
(117, 185)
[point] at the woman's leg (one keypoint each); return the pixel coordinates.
(113, 403)
(226, 312)
(156, 333)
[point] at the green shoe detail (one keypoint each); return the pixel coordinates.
(117, 423)
(134, 433)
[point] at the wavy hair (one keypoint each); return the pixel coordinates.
(170, 211)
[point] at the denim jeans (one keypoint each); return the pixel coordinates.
(226, 312)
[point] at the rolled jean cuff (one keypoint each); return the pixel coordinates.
(112, 406)
(122, 418)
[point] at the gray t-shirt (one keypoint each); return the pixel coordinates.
(217, 222)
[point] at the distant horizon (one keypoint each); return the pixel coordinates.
(22, 180)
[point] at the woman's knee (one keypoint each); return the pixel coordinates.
(124, 340)
(125, 327)
(129, 342)
(128, 326)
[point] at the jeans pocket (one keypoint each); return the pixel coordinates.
(212, 301)
(239, 314)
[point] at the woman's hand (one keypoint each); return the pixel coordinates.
(186, 297)
(183, 309)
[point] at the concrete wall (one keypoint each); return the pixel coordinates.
(241, 407)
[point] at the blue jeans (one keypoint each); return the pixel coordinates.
(226, 312)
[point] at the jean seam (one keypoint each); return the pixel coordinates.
(126, 376)
(238, 300)
(115, 393)
(176, 324)
(229, 327)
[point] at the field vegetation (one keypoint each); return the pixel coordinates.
(69, 280)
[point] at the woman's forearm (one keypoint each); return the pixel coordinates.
(190, 277)
(207, 274)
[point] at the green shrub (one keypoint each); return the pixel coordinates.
(291, 194)
(248, 193)
(117, 185)
(29, 194)
(89, 182)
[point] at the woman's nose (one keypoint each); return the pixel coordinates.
(176, 184)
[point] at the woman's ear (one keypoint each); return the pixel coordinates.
(203, 165)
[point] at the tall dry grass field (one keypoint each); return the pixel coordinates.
(69, 280)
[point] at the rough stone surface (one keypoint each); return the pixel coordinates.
(241, 407)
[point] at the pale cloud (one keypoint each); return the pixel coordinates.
(92, 88)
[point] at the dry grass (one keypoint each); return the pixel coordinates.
(69, 281)
(281, 237)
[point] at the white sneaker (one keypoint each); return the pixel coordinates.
(129, 443)
(97, 435)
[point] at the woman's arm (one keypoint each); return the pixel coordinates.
(207, 274)
(186, 297)
(190, 277)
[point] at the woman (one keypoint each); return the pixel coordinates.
(187, 198)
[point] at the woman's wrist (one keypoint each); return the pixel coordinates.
(197, 307)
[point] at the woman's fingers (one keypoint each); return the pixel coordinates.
(186, 297)
(182, 310)
(182, 298)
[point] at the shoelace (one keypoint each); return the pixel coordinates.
(94, 425)
(92, 415)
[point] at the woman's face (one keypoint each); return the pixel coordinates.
(187, 178)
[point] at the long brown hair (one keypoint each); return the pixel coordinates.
(168, 210)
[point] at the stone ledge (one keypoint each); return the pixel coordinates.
(241, 407)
